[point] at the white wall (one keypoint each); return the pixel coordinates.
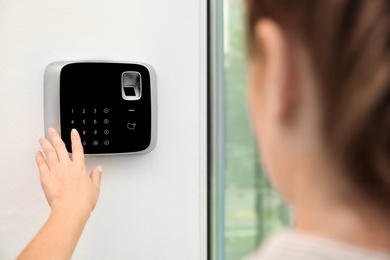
(151, 206)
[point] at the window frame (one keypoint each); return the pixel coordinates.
(216, 132)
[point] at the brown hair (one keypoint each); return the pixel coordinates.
(349, 45)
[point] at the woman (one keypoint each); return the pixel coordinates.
(319, 97)
(320, 104)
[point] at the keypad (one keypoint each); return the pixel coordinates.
(93, 125)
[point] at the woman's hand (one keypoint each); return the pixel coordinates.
(65, 181)
(72, 194)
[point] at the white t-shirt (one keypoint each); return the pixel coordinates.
(295, 245)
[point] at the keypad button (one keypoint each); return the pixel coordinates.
(106, 121)
(106, 110)
(106, 142)
(106, 132)
(95, 143)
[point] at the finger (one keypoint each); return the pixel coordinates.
(48, 149)
(77, 147)
(96, 176)
(41, 163)
(59, 145)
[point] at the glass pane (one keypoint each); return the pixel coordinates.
(252, 208)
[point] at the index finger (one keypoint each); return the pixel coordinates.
(77, 147)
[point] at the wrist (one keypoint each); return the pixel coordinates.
(71, 210)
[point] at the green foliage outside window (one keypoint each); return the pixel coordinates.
(253, 210)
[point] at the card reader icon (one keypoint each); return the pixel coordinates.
(131, 126)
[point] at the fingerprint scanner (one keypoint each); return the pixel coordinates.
(131, 85)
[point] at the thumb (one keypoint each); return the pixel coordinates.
(96, 175)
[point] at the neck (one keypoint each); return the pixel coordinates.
(351, 224)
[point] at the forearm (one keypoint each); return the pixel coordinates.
(59, 236)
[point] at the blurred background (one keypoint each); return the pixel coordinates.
(249, 208)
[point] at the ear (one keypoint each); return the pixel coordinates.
(280, 77)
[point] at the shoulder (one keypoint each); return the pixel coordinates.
(295, 245)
